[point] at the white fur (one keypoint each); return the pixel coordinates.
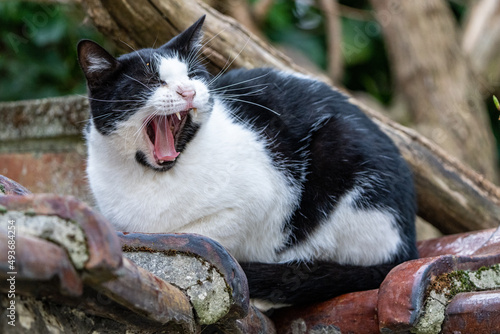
(97, 64)
(351, 235)
(171, 69)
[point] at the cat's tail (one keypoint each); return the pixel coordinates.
(302, 283)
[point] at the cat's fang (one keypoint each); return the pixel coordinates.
(178, 115)
(195, 112)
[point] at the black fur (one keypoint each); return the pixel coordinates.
(302, 283)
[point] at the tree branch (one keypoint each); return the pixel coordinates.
(451, 196)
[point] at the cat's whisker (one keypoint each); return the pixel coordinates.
(142, 59)
(241, 82)
(199, 61)
(213, 37)
(253, 103)
(224, 89)
(109, 114)
(156, 39)
(227, 66)
(144, 124)
(235, 90)
(238, 118)
(252, 93)
(149, 88)
(114, 101)
(217, 90)
(156, 61)
(113, 113)
(192, 57)
(218, 75)
(196, 51)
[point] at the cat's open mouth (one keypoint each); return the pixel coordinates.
(163, 133)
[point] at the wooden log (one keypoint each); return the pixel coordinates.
(451, 196)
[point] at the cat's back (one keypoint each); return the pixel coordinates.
(292, 110)
(335, 150)
(280, 101)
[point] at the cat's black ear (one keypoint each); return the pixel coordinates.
(188, 39)
(97, 64)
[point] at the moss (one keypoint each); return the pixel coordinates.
(2, 189)
(496, 268)
(460, 282)
(3, 209)
(480, 271)
(30, 213)
(446, 286)
(452, 283)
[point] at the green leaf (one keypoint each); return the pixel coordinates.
(497, 104)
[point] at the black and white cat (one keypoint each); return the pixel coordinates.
(298, 184)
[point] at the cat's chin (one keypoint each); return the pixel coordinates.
(141, 159)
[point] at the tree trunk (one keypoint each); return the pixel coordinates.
(450, 196)
(330, 9)
(434, 76)
(481, 43)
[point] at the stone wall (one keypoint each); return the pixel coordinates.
(42, 145)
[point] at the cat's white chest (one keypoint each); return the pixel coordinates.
(223, 186)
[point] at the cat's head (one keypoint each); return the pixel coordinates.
(150, 102)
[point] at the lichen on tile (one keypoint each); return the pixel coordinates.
(202, 283)
(444, 287)
(65, 233)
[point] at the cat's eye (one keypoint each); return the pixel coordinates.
(163, 83)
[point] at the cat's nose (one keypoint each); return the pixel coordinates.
(186, 93)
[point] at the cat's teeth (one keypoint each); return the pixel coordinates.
(195, 112)
(160, 161)
(178, 115)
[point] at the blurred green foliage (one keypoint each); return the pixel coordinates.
(38, 42)
(38, 49)
(38, 46)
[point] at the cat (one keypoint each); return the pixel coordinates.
(303, 189)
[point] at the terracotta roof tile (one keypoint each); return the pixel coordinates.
(69, 260)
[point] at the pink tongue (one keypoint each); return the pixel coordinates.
(164, 139)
